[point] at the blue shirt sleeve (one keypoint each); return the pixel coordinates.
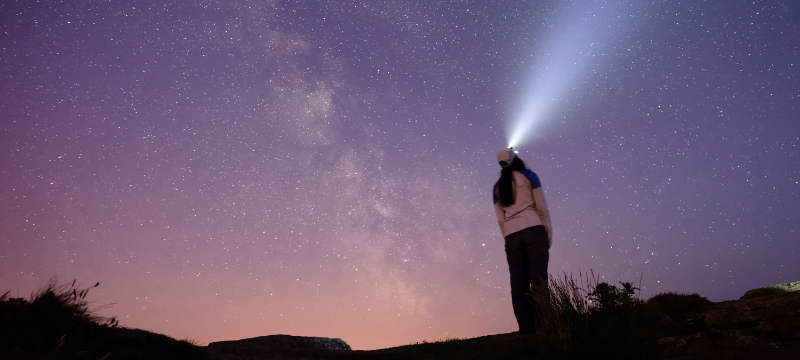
(533, 178)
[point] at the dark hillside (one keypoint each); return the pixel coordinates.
(584, 320)
(56, 323)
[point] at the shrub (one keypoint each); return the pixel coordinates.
(587, 319)
(672, 311)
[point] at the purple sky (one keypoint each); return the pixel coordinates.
(231, 169)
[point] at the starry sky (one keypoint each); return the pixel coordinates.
(231, 169)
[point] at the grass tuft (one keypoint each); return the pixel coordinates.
(56, 322)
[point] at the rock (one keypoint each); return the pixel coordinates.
(772, 290)
(756, 327)
(277, 347)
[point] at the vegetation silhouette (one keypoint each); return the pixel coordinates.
(56, 322)
(584, 318)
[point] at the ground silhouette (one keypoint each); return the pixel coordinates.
(56, 323)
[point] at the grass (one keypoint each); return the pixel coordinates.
(56, 322)
(586, 319)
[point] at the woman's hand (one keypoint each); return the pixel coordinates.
(544, 214)
(549, 236)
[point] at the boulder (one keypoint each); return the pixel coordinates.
(277, 347)
(772, 290)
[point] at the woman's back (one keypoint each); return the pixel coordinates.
(522, 214)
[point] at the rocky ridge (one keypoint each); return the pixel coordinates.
(764, 323)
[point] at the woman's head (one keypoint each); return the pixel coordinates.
(506, 156)
(516, 165)
(509, 161)
(505, 185)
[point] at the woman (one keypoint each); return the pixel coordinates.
(525, 223)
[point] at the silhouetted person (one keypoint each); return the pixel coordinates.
(525, 222)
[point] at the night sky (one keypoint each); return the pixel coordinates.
(232, 169)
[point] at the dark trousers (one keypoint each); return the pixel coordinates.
(528, 254)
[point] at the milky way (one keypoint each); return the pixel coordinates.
(231, 169)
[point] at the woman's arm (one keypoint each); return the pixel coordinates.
(501, 215)
(544, 214)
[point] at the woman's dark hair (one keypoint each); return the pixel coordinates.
(505, 185)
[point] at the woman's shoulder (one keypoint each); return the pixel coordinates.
(526, 173)
(532, 177)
